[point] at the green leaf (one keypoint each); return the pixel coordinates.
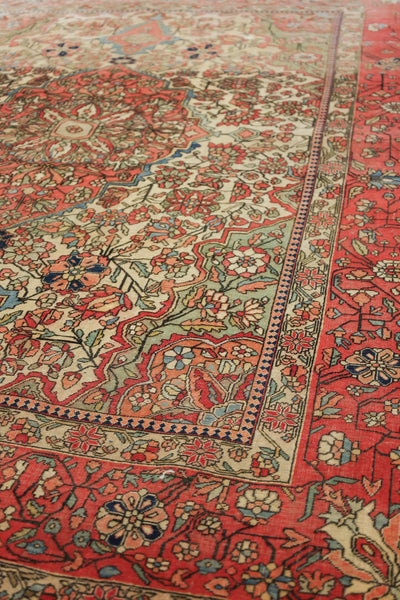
(179, 522)
(331, 411)
(334, 545)
(390, 305)
(312, 559)
(130, 479)
(139, 571)
(80, 512)
(71, 500)
(381, 521)
(23, 534)
(115, 274)
(121, 436)
(227, 467)
(45, 460)
(91, 470)
(9, 318)
(335, 480)
(242, 487)
(145, 303)
(94, 338)
(312, 493)
(99, 547)
(34, 509)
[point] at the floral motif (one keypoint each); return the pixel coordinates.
(132, 520)
(365, 557)
(374, 367)
(280, 418)
(75, 272)
(245, 552)
(201, 452)
(388, 270)
(89, 126)
(258, 504)
(155, 263)
(5, 238)
(246, 262)
(268, 582)
(24, 431)
(83, 438)
(336, 449)
(178, 357)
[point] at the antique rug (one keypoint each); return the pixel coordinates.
(199, 300)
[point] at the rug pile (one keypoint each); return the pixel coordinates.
(199, 300)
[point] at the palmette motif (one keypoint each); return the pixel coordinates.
(201, 379)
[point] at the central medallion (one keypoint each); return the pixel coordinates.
(116, 120)
(73, 129)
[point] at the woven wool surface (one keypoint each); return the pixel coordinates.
(199, 300)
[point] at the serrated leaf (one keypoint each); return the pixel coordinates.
(145, 304)
(45, 460)
(10, 317)
(92, 470)
(94, 338)
(334, 545)
(130, 479)
(203, 325)
(140, 268)
(121, 436)
(34, 509)
(331, 411)
(390, 305)
(80, 512)
(273, 271)
(115, 274)
(354, 191)
(381, 521)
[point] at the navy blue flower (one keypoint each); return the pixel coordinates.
(4, 238)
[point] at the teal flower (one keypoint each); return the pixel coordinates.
(52, 526)
(81, 538)
(178, 358)
(208, 565)
(36, 547)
